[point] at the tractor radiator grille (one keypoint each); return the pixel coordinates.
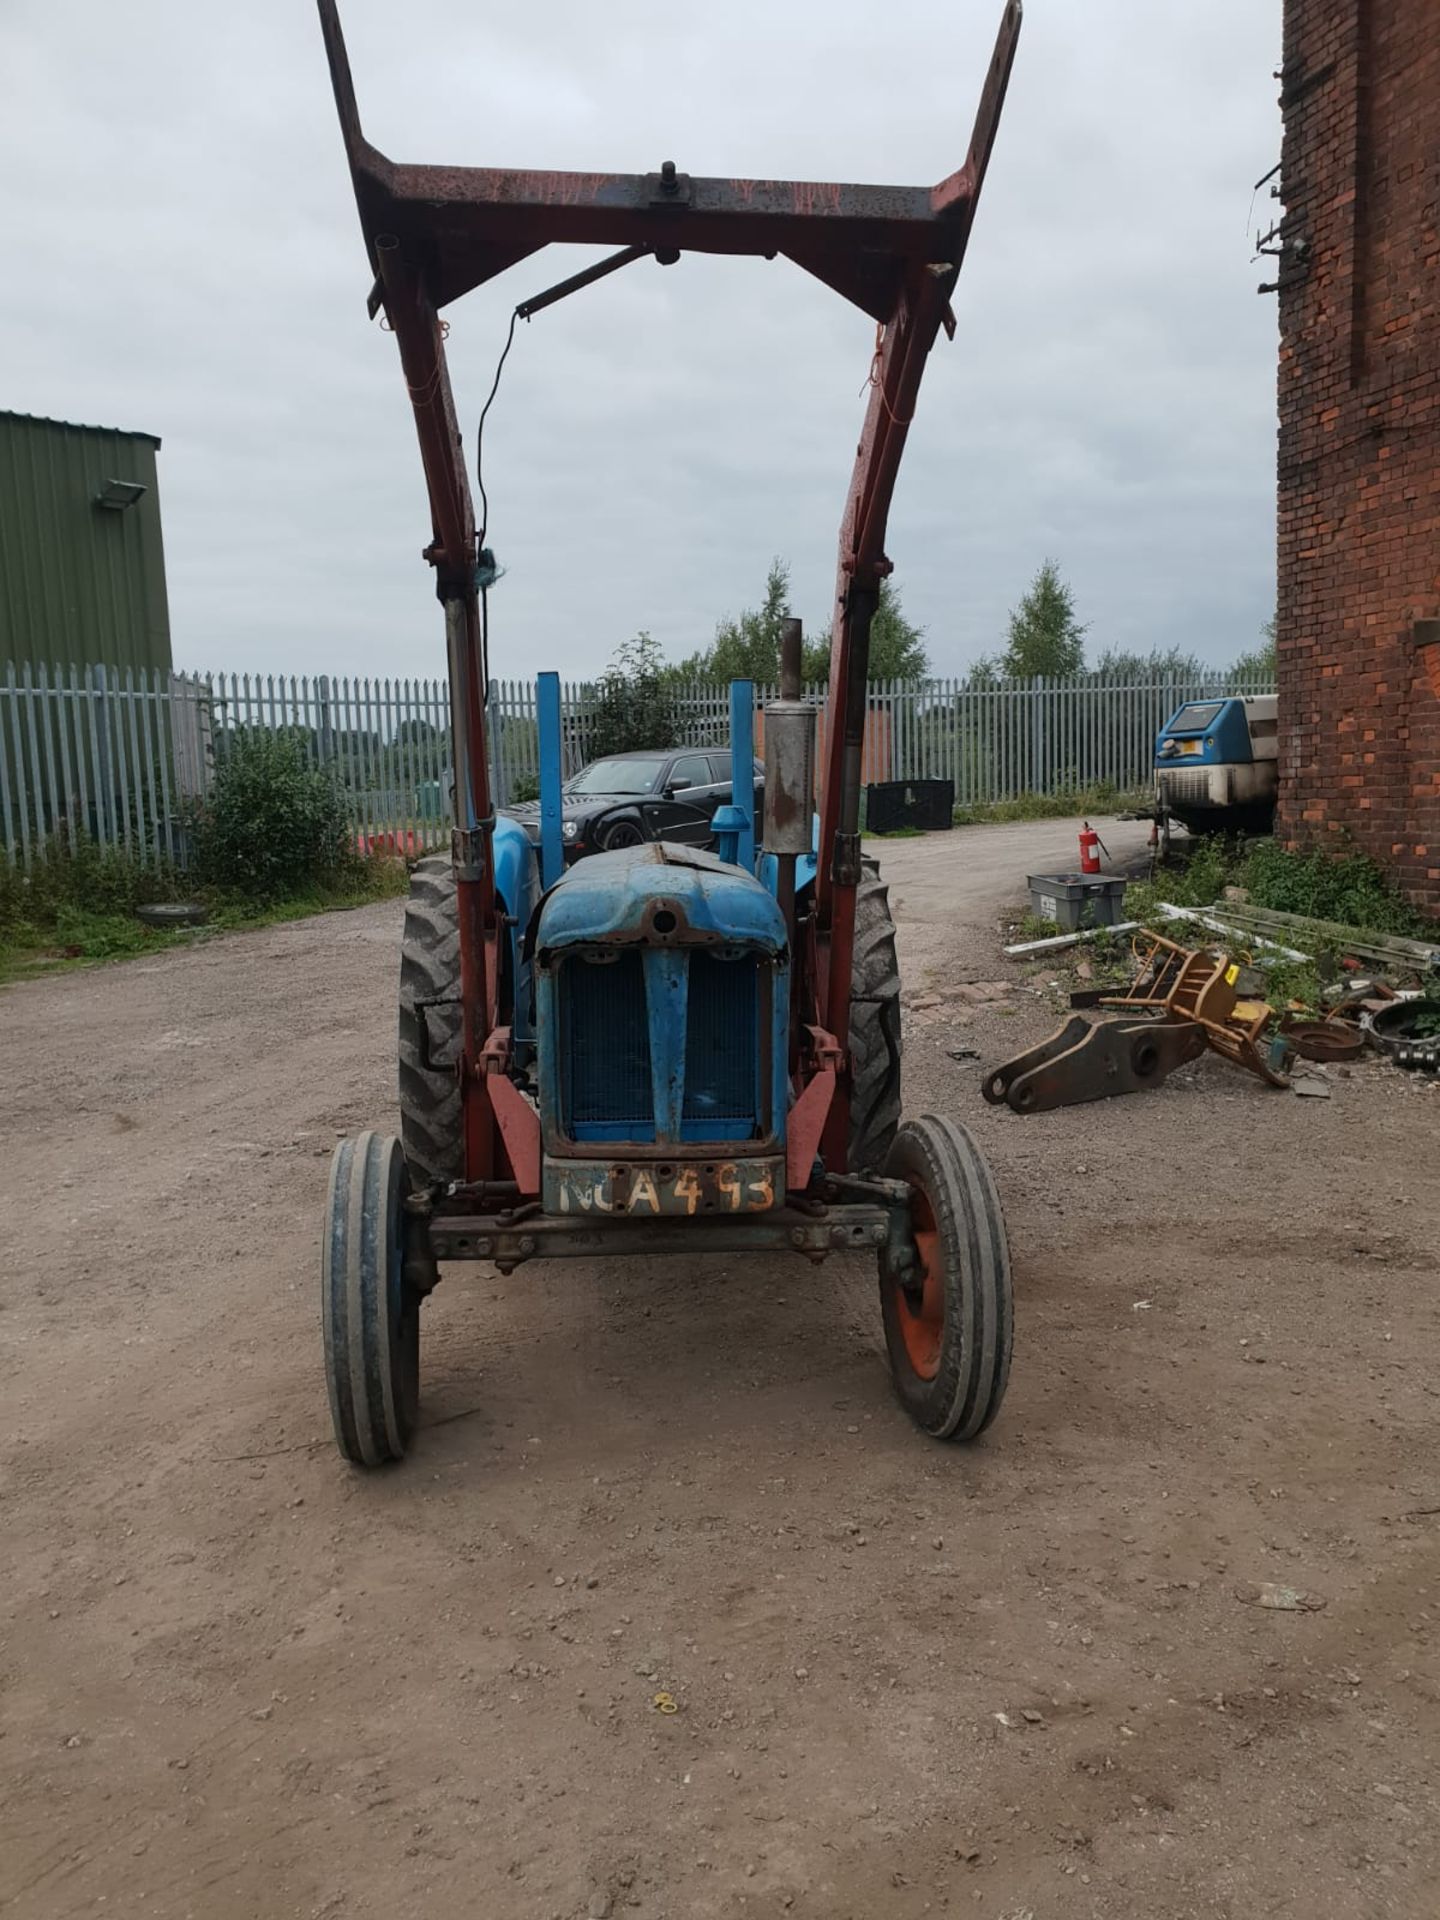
(720, 1039)
(605, 1048)
(607, 1045)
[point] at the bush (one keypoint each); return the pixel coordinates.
(1349, 890)
(634, 704)
(273, 825)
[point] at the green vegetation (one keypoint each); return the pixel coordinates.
(747, 646)
(1046, 637)
(1349, 891)
(75, 905)
(1259, 663)
(1101, 798)
(635, 705)
(272, 824)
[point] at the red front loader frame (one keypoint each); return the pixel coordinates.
(434, 233)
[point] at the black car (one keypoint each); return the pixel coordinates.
(654, 794)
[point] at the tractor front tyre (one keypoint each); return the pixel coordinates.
(430, 1125)
(371, 1314)
(874, 1027)
(949, 1318)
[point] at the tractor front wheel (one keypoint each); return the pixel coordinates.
(949, 1317)
(371, 1315)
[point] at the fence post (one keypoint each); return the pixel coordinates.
(499, 784)
(100, 742)
(324, 727)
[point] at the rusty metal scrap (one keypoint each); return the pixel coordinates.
(1083, 1062)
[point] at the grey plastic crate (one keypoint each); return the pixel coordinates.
(1075, 900)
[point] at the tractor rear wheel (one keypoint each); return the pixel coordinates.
(371, 1315)
(948, 1319)
(874, 1026)
(430, 1024)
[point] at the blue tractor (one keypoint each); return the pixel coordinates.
(661, 1049)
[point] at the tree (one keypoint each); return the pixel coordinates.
(897, 645)
(748, 647)
(1124, 669)
(1259, 663)
(1045, 637)
(634, 706)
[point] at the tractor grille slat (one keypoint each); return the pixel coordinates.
(607, 1044)
(722, 1033)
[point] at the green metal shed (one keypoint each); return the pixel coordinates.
(82, 568)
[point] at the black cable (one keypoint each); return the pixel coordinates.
(480, 430)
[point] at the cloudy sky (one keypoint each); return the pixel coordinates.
(182, 255)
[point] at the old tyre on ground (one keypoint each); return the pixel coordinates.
(874, 1027)
(430, 1024)
(371, 1316)
(948, 1321)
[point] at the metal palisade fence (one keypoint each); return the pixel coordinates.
(125, 755)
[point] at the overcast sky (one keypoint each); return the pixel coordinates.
(182, 255)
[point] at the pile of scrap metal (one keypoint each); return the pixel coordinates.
(1381, 990)
(1186, 1000)
(1181, 1001)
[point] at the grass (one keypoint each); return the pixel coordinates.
(1062, 804)
(73, 909)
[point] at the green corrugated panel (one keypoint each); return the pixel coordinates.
(79, 582)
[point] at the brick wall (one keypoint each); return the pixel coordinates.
(1359, 393)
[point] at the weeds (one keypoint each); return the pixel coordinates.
(1059, 805)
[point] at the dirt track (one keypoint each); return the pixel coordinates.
(239, 1679)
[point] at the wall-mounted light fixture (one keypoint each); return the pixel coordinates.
(117, 495)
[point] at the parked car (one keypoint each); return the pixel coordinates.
(653, 794)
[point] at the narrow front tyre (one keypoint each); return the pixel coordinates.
(371, 1315)
(949, 1316)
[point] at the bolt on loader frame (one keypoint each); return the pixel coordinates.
(435, 233)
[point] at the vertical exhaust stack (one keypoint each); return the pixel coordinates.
(789, 772)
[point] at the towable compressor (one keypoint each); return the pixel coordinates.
(661, 1050)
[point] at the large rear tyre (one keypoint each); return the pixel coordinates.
(371, 1316)
(430, 1010)
(874, 1026)
(949, 1320)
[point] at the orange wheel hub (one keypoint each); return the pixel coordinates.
(920, 1312)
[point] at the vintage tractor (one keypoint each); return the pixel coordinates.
(661, 1050)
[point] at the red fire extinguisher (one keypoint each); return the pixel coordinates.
(1090, 844)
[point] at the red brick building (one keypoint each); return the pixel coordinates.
(1359, 530)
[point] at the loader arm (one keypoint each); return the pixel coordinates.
(435, 233)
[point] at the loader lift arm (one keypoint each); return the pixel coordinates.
(435, 233)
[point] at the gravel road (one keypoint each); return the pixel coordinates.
(1025, 1680)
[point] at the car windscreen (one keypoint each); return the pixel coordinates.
(617, 776)
(1196, 719)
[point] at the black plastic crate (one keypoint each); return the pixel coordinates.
(889, 804)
